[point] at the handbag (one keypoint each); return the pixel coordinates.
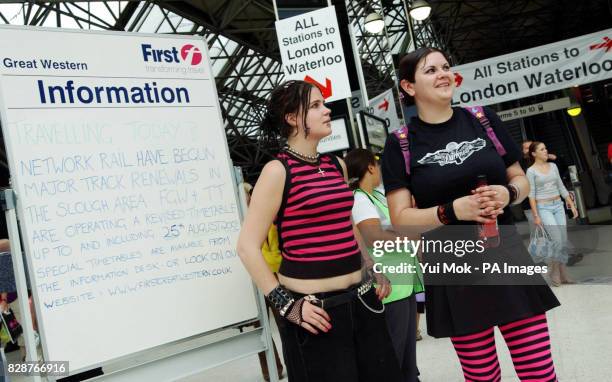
(541, 245)
(11, 324)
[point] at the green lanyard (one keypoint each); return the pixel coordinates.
(377, 202)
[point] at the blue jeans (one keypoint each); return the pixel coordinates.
(358, 348)
(553, 219)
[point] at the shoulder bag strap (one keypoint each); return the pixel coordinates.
(375, 201)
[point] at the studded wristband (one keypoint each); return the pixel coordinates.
(281, 298)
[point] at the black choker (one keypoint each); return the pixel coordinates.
(313, 159)
(303, 156)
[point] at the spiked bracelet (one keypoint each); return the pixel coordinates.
(281, 298)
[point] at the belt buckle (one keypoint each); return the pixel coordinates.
(314, 300)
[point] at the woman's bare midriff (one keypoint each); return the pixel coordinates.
(548, 200)
(309, 286)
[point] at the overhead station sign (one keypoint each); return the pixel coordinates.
(311, 50)
(337, 140)
(534, 109)
(534, 71)
(383, 106)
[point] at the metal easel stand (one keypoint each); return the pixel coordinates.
(8, 198)
(192, 361)
(4, 377)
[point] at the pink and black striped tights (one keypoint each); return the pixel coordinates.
(529, 345)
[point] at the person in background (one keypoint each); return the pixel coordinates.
(526, 161)
(8, 295)
(420, 307)
(546, 191)
(371, 215)
(272, 256)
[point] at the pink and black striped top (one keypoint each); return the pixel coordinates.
(314, 222)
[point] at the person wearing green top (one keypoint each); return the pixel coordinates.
(371, 215)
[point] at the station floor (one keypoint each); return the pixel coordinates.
(581, 336)
(581, 328)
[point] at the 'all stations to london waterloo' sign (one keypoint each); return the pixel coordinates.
(534, 71)
(311, 50)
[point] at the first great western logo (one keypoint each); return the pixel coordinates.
(188, 53)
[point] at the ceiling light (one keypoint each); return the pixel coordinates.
(574, 111)
(420, 10)
(374, 23)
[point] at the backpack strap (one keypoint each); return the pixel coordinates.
(478, 112)
(402, 137)
(336, 163)
(282, 157)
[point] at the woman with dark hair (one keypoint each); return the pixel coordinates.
(546, 191)
(439, 160)
(333, 320)
(371, 216)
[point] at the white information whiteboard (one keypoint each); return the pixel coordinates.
(125, 194)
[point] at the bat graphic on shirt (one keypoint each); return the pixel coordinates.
(454, 152)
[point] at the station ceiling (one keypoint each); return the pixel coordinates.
(244, 50)
(478, 29)
(250, 22)
(471, 30)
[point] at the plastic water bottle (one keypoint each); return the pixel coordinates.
(487, 232)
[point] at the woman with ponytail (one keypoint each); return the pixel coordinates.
(371, 215)
(333, 326)
(546, 191)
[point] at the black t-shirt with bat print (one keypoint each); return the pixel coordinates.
(446, 159)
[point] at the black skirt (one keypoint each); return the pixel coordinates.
(479, 304)
(460, 310)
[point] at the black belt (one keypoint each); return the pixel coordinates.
(330, 299)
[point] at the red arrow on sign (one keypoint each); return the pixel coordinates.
(326, 90)
(458, 79)
(384, 105)
(607, 45)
